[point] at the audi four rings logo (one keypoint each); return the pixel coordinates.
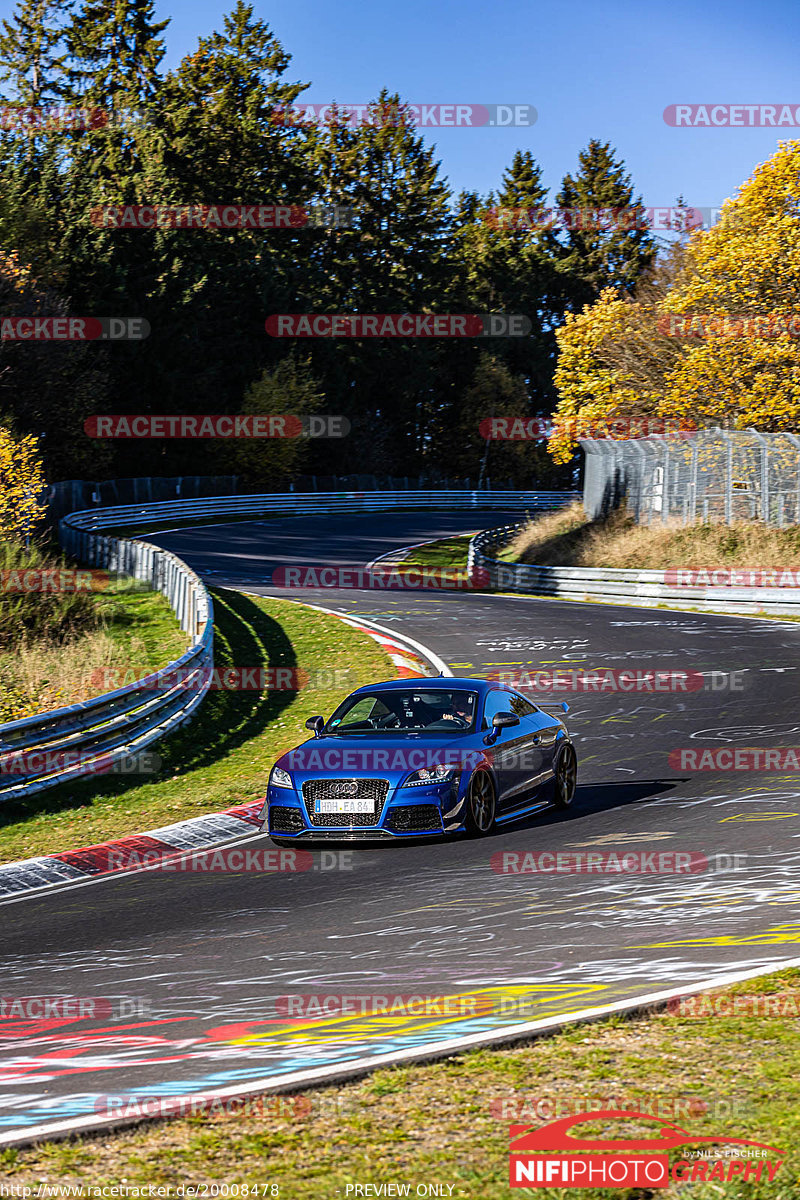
(349, 788)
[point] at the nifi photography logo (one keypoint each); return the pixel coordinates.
(605, 1162)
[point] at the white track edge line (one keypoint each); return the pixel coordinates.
(420, 647)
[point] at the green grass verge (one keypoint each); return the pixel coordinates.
(446, 552)
(436, 1123)
(222, 758)
(148, 618)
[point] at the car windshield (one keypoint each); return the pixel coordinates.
(446, 711)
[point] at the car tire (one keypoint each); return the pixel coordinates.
(481, 803)
(565, 777)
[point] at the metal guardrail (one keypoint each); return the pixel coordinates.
(90, 738)
(71, 495)
(309, 503)
(646, 588)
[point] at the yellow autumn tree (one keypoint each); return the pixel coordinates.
(21, 485)
(611, 367)
(617, 360)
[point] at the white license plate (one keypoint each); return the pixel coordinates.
(340, 805)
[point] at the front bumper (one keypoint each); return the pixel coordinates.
(401, 812)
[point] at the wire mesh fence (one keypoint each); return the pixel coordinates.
(712, 475)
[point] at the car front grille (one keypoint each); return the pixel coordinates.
(366, 789)
(284, 819)
(414, 818)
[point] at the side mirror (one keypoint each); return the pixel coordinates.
(316, 725)
(564, 706)
(504, 720)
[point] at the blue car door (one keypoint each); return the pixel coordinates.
(507, 749)
(544, 734)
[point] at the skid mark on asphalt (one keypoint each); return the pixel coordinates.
(732, 733)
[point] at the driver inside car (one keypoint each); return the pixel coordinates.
(435, 707)
(460, 709)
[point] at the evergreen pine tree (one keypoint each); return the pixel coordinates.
(591, 259)
(32, 52)
(400, 258)
(509, 268)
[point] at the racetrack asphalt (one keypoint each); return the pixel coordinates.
(202, 957)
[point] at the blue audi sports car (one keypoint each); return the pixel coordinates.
(410, 758)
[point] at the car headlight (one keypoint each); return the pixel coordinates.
(280, 778)
(429, 775)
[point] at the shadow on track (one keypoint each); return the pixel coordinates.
(592, 798)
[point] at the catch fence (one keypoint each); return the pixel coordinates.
(712, 475)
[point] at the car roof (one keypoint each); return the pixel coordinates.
(436, 683)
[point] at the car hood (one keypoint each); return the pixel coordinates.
(387, 757)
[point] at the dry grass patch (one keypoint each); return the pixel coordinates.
(43, 677)
(132, 633)
(566, 538)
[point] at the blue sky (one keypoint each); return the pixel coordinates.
(604, 70)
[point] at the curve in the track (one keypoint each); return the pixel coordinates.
(206, 956)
